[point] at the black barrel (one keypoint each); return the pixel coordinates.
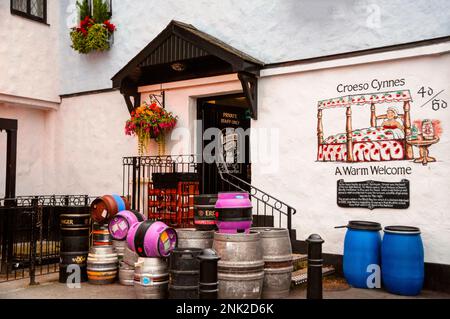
(205, 212)
(74, 221)
(184, 273)
(74, 245)
(208, 283)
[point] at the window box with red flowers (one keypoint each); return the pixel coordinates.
(95, 31)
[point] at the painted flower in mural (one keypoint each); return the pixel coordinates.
(149, 121)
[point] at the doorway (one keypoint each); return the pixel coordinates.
(226, 114)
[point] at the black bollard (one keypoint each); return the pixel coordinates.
(208, 284)
(315, 261)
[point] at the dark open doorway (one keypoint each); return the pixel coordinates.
(223, 113)
(10, 126)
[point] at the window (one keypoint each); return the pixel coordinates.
(31, 9)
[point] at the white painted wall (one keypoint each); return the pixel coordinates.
(87, 143)
(270, 30)
(288, 103)
(31, 150)
(29, 55)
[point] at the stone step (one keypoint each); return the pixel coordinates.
(301, 276)
(296, 258)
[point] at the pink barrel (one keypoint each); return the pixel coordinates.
(152, 239)
(234, 212)
(121, 223)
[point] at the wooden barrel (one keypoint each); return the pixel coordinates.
(152, 239)
(151, 278)
(241, 265)
(126, 274)
(102, 265)
(119, 248)
(277, 255)
(106, 207)
(192, 238)
(184, 273)
(74, 244)
(101, 235)
(205, 212)
(121, 223)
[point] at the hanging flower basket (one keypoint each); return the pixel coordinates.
(150, 121)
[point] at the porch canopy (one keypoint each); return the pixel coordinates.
(182, 52)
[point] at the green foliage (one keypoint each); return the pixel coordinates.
(97, 39)
(84, 9)
(100, 11)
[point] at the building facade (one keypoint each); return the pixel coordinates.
(328, 76)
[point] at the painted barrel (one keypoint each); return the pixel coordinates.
(72, 262)
(130, 257)
(126, 274)
(402, 260)
(121, 223)
(362, 247)
(205, 212)
(192, 238)
(278, 267)
(101, 235)
(119, 248)
(102, 264)
(234, 212)
(151, 278)
(106, 207)
(152, 239)
(75, 224)
(184, 273)
(241, 265)
(74, 244)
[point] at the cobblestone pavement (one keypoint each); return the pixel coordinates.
(50, 288)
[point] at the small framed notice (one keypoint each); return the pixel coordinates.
(372, 194)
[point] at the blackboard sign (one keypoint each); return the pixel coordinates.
(373, 194)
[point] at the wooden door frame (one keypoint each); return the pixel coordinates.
(10, 126)
(200, 142)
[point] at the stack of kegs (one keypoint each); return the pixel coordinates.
(399, 255)
(119, 227)
(106, 250)
(74, 248)
(153, 242)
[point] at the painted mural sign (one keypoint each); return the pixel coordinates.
(391, 134)
(373, 194)
(387, 137)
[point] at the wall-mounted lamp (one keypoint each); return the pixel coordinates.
(178, 66)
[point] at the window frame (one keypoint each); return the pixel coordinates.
(28, 14)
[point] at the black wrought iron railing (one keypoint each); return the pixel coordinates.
(30, 234)
(163, 187)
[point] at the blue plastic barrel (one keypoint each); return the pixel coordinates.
(120, 202)
(362, 247)
(402, 260)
